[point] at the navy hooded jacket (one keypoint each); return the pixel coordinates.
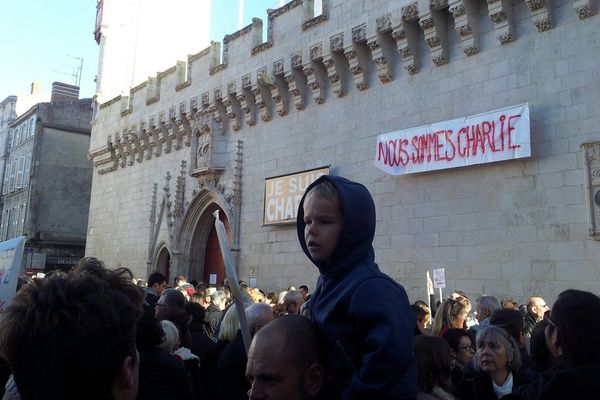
(363, 314)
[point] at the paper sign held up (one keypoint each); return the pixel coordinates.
(439, 280)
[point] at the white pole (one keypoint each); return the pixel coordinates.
(441, 299)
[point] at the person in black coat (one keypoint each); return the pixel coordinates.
(200, 344)
(232, 383)
(162, 375)
(571, 336)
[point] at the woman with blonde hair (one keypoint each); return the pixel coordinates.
(451, 314)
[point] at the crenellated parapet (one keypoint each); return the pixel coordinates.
(307, 59)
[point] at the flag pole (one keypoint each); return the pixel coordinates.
(234, 285)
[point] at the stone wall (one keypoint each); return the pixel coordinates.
(319, 91)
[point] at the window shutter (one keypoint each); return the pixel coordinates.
(13, 172)
(6, 179)
(26, 170)
(19, 177)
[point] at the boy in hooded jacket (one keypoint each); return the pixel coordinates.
(363, 314)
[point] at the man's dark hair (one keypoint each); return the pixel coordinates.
(156, 277)
(575, 313)
(174, 299)
(510, 320)
(67, 335)
(196, 311)
(303, 287)
(453, 335)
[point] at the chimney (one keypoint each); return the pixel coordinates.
(35, 88)
(63, 92)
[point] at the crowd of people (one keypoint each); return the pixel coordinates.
(98, 333)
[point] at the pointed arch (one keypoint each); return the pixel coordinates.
(193, 235)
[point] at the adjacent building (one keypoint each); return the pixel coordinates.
(47, 180)
(473, 124)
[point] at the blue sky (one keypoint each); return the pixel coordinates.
(39, 38)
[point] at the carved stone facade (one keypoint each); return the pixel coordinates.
(317, 93)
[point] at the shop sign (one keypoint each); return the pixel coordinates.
(283, 195)
(479, 139)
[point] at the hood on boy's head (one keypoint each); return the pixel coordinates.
(358, 232)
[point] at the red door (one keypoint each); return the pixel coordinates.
(213, 261)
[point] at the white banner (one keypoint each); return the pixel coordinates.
(11, 253)
(493, 136)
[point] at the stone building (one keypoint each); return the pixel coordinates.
(10, 108)
(47, 180)
(231, 126)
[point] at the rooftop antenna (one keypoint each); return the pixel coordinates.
(77, 73)
(79, 69)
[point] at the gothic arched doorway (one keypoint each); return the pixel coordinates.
(198, 240)
(214, 267)
(163, 262)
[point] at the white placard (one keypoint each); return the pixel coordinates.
(11, 253)
(439, 280)
(212, 279)
(252, 282)
(489, 137)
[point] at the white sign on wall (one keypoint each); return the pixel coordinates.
(11, 253)
(493, 136)
(283, 195)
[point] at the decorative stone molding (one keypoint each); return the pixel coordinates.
(178, 123)
(384, 23)
(500, 12)
(277, 94)
(591, 155)
(407, 46)
(296, 81)
(584, 8)
(316, 52)
(315, 85)
(278, 68)
(230, 106)
(357, 71)
(336, 43)
(265, 114)
(540, 13)
(467, 25)
(434, 28)
(359, 34)
(410, 12)
(296, 60)
(384, 72)
(247, 114)
(438, 4)
(334, 76)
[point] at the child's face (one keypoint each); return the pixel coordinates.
(324, 222)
